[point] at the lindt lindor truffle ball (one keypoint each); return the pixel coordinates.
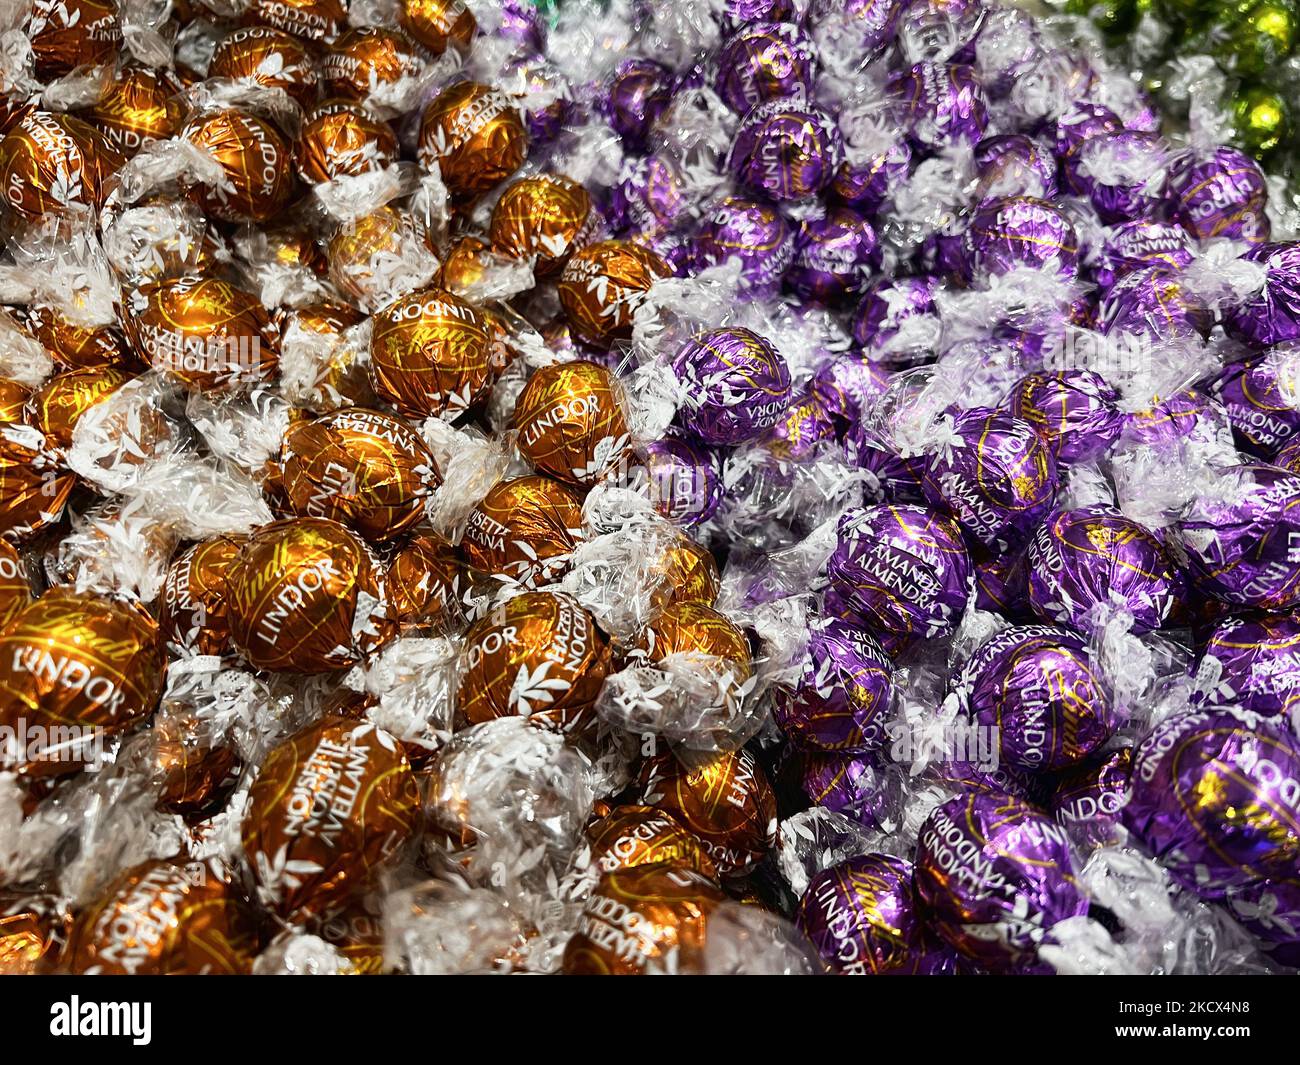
(869, 174)
(1221, 193)
(691, 627)
(1259, 396)
(329, 808)
(75, 660)
(429, 354)
(55, 407)
(66, 34)
(1018, 232)
(1037, 688)
(897, 321)
(570, 422)
(834, 256)
(545, 218)
(736, 385)
(903, 570)
(603, 284)
(50, 161)
(632, 836)
(993, 876)
(13, 401)
(272, 59)
(475, 136)
(727, 803)
(438, 24)
(312, 20)
(73, 346)
(378, 254)
(1013, 165)
(686, 572)
(786, 150)
(862, 917)
(1087, 563)
(994, 473)
(1088, 798)
(637, 94)
(847, 386)
(368, 62)
(1122, 174)
(203, 331)
(764, 61)
(1253, 664)
(255, 161)
(1153, 304)
(195, 617)
(524, 530)
(34, 482)
(15, 585)
(666, 904)
(685, 479)
(849, 784)
(538, 655)
(307, 596)
(424, 581)
(1272, 315)
(166, 917)
(141, 106)
(1073, 410)
(1140, 245)
(756, 234)
(1214, 798)
(366, 469)
(938, 103)
(33, 933)
(1238, 544)
(841, 699)
(339, 138)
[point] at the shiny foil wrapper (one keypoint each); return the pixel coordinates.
(369, 60)
(727, 804)
(15, 585)
(429, 354)
(1021, 231)
(312, 20)
(307, 596)
(1075, 411)
(1086, 563)
(1153, 304)
(847, 387)
(33, 933)
(1038, 689)
(865, 180)
(1140, 245)
(67, 34)
(1220, 194)
(166, 917)
(344, 379)
(570, 422)
(438, 24)
(603, 284)
(834, 257)
(993, 876)
(363, 252)
(1214, 799)
(902, 569)
(637, 93)
(632, 836)
(273, 59)
(764, 61)
(651, 201)
(841, 699)
(424, 581)
(34, 482)
(1088, 799)
(475, 136)
(49, 162)
(203, 331)
(524, 530)
(1271, 316)
(786, 150)
(545, 218)
(938, 104)
(666, 909)
(195, 618)
(1237, 546)
(1013, 165)
(342, 139)
(13, 401)
(539, 656)
(366, 469)
(80, 663)
(687, 572)
(735, 383)
(76, 347)
(688, 627)
(1120, 174)
(55, 407)
(195, 772)
(997, 476)
(141, 106)
(685, 480)
(862, 917)
(754, 233)
(255, 160)
(331, 806)
(897, 321)
(1253, 664)
(848, 784)
(1260, 400)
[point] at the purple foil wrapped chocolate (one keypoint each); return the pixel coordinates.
(1036, 686)
(840, 701)
(803, 429)
(637, 94)
(903, 569)
(1220, 194)
(847, 386)
(1012, 164)
(1260, 397)
(1073, 410)
(1086, 563)
(870, 172)
(1002, 585)
(1239, 545)
(1251, 663)
(897, 322)
(1089, 798)
(685, 479)
(993, 876)
(1270, 911)
(994, 473)
(651, 197)
(1154, 304)
(1215, 797)
(753, 233)
(735, 386)
(1272, 316)
(1140, 245)
(1122, 174)
(868, 23)
(848, 784)
(834, 256)
(1078, 126)
(938, 104)
(786, 150)
(764, 61)
(1004, 235)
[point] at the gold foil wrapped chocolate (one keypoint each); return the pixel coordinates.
(688, 574)
(141, 106)
(15, 586)
(76, 347)
(257, 166)
(55, 407)
(366, 60)
(524, 530)
(367, 469)
(13, 400)
(307, 596)
(424, 581)
(33, 933)
(629, 836)
(166, 918)
(538, 655)
(368, 256)
(204, 331)
(312, 20)
(727, 803)
(429, 354)
(196, 597)
(330, 807)
(602, 285)
(437, 24)
(34, 484)
(545, 218)
(692, 627)
(67, 34)
(319, 371)
(271, 58)
(475, 135)
(341, 138)
(49, 162)
(647, 919)
(194, 773)
(570, 422)
(75, 668)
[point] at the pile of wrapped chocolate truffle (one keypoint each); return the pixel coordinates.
(648, 486)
